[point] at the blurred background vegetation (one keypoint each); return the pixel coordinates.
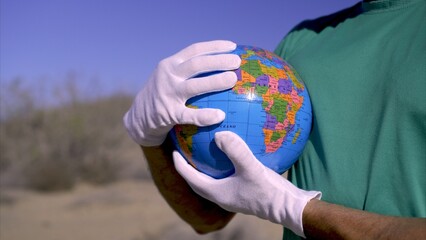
(50, 146)
(68, 170)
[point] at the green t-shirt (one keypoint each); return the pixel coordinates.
(365, 70)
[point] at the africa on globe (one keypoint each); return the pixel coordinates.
(269, 107)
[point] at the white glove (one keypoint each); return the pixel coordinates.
(161, 103)
(253, 189)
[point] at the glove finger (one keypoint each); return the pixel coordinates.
(201, 117)
(216, 82)
(210, 63)
(205, 48)
(237, 151)
(198, 181)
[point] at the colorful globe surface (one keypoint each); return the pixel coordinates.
(269, 107)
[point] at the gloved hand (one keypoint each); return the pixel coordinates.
(253, 189)
(161, 103)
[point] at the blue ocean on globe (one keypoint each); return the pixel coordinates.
(269, 107)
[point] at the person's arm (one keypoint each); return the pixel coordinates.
(322, 220)
(257, 190)
(204, 216)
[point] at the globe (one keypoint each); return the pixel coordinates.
(269, 107)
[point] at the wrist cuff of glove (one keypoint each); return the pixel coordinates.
(139, 136)
(299, 205)
(154, 141)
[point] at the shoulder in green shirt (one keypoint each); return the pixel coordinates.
(365, 70)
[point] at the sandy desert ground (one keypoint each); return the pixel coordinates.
(127, 210)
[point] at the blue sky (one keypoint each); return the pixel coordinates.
(117, 43)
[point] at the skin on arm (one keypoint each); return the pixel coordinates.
(322, 220)
(203, 215)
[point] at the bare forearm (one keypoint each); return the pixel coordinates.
(323, 220)
(203, 215)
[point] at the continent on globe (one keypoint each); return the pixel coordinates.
(269, 107)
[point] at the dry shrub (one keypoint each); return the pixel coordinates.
(53, 148)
